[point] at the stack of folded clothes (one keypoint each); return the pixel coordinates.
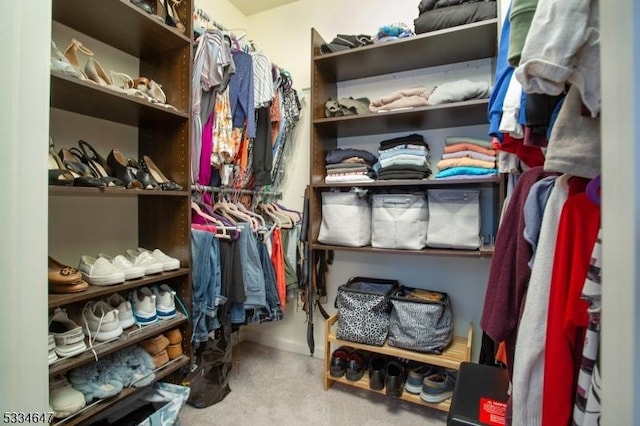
(467, 158)
(439, 14)
(345, 42)
(349, 166)
(406, 157)
(393, 32)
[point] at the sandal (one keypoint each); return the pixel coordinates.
(118, 165)
(95, 170)
(60, 64)
(129, 86)
(58, 173)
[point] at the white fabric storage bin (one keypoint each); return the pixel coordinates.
(399, 221)
(454, 218)
(346, 219)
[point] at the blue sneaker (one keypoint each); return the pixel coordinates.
(416, 376)
(438, 387)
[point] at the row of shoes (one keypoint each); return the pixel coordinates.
(434, 384)
(164, 347)
(106, 320)
(105, 270)
(84, 166)
(165, 11)
(68, 63)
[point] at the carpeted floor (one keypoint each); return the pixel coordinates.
(273, 387)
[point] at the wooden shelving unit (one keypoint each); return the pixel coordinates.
(163, 217)
(449, 46)
(458, 351)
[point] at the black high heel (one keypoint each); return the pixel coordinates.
(148, 182)
(96, 170)
(81, 172)
(58, 173)
(118, 165)
(96, 160)
(165, 184)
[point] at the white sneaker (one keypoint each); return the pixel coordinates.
(64, 399)
(144, 306)
(144, 259)
(100, 321)
(67, 335)
(125, 312)
(53, 357)
(99, 271)
(165, 302)
(131, 271)
(168, 263)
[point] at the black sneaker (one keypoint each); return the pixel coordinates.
(396, 376)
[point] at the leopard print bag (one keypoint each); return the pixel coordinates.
(420, 320)
(364, 309)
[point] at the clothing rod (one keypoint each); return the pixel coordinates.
(223, 190)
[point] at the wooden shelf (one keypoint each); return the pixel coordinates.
(94, 292)
(95, 408)
(129, 337)
(458, 351)
(483, 252)
(456, 114)
(432, 183)
(87, 98)
(122, 25)
(457, 44)
(406, 396)
(112, 192)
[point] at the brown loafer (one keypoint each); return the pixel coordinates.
(62, 274)
(155, 344)
(74, 287)
(160, 358)
(174, 336)
(174, 351)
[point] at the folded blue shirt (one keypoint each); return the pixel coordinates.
(455, 171)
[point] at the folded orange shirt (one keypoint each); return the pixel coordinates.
(468, 146)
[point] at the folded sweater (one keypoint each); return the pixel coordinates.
(468, 147)
(405, 98)
(465, 162)
(469, 154)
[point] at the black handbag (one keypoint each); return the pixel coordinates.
(364, 309)
(420, 320)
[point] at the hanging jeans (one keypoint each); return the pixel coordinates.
(252, 274)
(273, 300)
(206, 284)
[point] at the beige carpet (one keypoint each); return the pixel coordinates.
(273, 387)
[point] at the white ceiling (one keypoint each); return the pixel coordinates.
(250, 7)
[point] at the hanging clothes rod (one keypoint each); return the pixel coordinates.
(224, 190)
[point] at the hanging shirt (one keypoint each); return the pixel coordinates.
(241, 93)
(262, 80)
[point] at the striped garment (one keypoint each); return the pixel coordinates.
(263, 90)
(586, 410)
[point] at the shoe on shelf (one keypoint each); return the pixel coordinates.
(99, 271)
(155, 344)
(75, 287)
(64, 399)
(145, 178)
(97, 74)
(83, 175)
(100, 321)
(61, 65)
(118, 163)
(144, 259)
(174, 335)
(95, 381)
(53, 357)
(143, 302)
(131, 271)
(165, 184)
(71, 53)
(125, 311)
(358, 361)
(416, 375)
(165, 301)
(94, 170)
(59, 273)
(339, 361)
(95, 158)
(142, 5)
(58, 173)
(377, 372)
(396, 376)
(67, 335)
(168, 263)
(438, 387)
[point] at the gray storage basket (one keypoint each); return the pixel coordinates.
(346, 219)
(399, 221)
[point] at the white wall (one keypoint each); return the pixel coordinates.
(24, 117)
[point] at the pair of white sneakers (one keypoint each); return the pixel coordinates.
(135, 263)
(151, 305)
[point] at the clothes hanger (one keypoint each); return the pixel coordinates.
(210, 219)
(593, 190)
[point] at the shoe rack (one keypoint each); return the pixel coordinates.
(162, 217)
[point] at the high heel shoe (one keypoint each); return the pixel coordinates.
(95, 169)
(60, 64)
(172, 7)
(118, 164)
(80, 171)
(58, 174)
(148, 182)
(71, 53)
(165, 184)
(92, 68)
(94, 157)
(167, 12)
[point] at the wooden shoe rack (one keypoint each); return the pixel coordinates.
(163, 217)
